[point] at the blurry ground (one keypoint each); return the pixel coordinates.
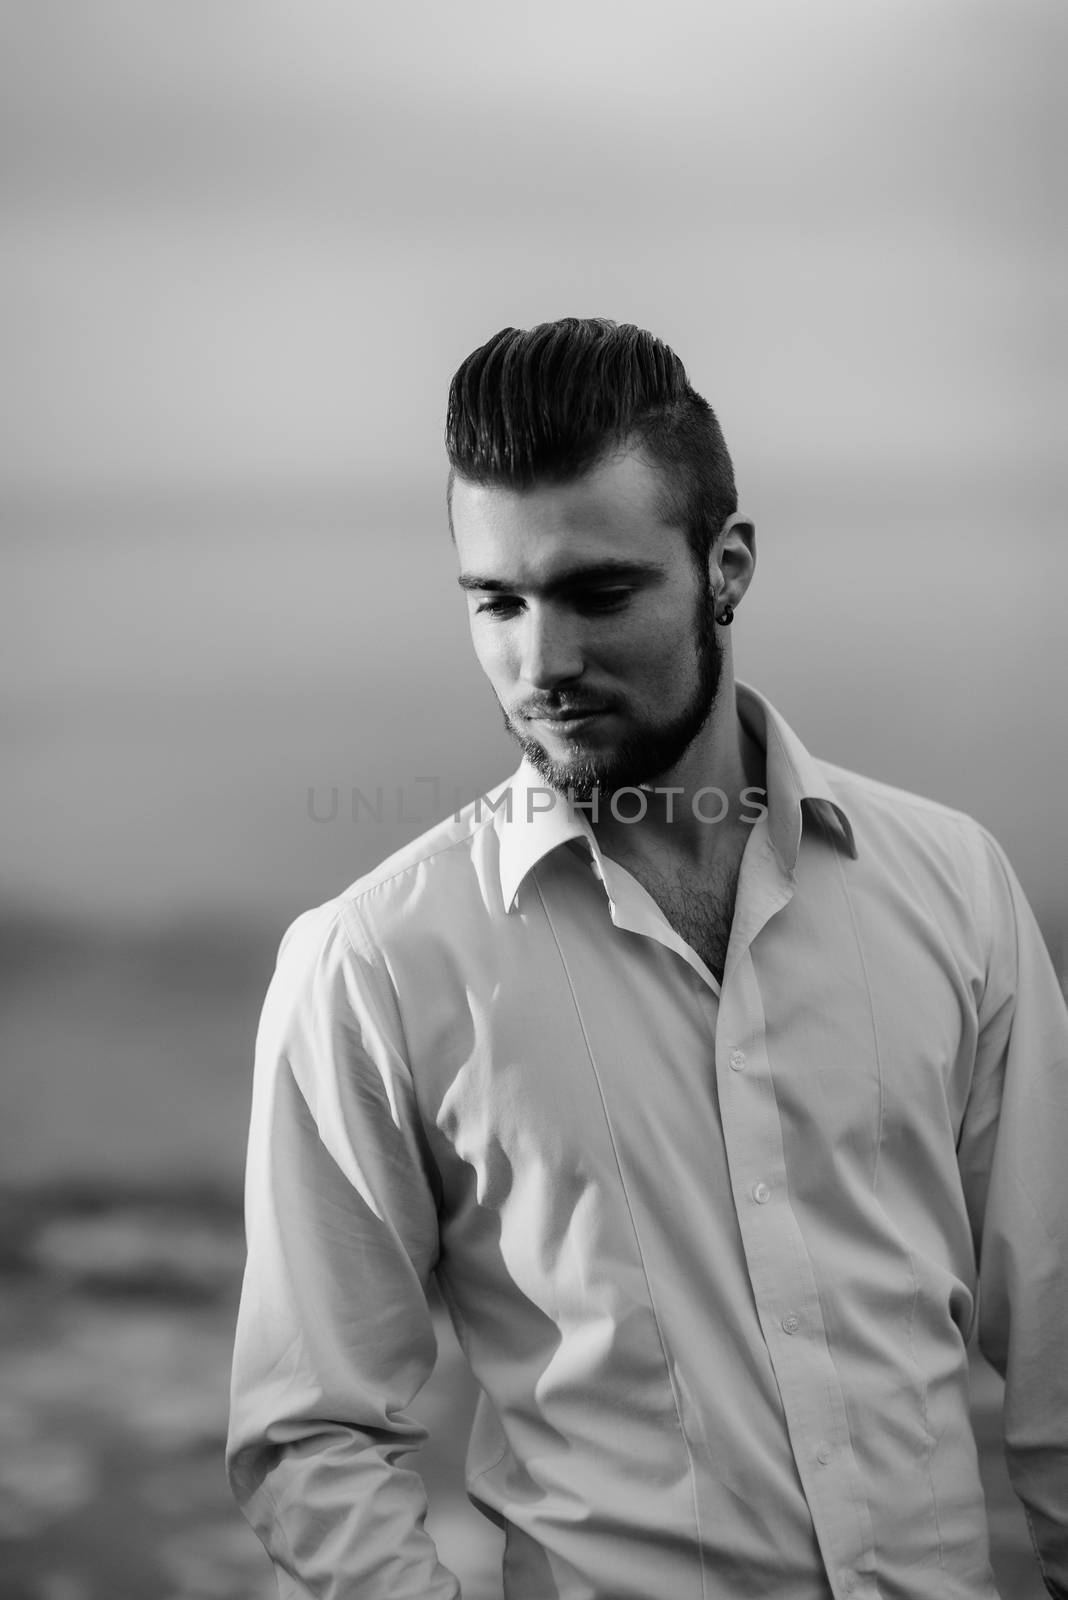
(115, 1333)
(125, 1082)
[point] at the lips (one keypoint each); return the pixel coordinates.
(570, 727)
(565, 717)
(569, 711)
(568, 717)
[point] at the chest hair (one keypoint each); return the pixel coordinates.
(700, 909)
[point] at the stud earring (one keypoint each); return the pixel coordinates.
(726, 616)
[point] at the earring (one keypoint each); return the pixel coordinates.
(726, 616)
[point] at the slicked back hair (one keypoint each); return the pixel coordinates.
(546, 404)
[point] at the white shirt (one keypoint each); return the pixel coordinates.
(710, 1249)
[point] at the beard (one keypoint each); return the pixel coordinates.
(650, 749)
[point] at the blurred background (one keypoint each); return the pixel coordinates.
(243, 248)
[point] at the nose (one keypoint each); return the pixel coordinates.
(550, 648)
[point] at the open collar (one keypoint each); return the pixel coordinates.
(532, 819)
(792, 776)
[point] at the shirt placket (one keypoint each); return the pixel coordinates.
(780, 1271)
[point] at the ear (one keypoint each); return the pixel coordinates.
(732, 558)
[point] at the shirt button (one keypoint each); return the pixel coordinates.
(761, 1194)
(737, 1060)
(790, 1323)
(823, 1454)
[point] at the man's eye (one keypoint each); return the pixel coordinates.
(596, 601)
(603, 599)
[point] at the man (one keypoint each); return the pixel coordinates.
(709, 1080)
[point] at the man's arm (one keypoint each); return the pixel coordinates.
(334, 1334)
(1014, 1161)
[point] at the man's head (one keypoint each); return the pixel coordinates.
(593, 506)
(542, 405)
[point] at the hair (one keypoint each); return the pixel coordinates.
(547, 404)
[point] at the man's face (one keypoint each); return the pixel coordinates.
(591, 622)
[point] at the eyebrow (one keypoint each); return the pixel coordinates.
(610, 569)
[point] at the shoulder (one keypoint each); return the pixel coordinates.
(886, 799)
(924, 843)
(445, 850)
(882, 809)
(451, 868)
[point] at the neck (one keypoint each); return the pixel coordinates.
(694, 811)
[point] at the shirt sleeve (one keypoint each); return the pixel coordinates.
(1012, 1157)
(334, 1334)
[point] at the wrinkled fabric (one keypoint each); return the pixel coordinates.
(713, 1251)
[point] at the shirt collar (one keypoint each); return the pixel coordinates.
(792, 776)
(531, 820)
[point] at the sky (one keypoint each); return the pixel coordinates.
(243, 248)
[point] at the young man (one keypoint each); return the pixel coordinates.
(711, 1081)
